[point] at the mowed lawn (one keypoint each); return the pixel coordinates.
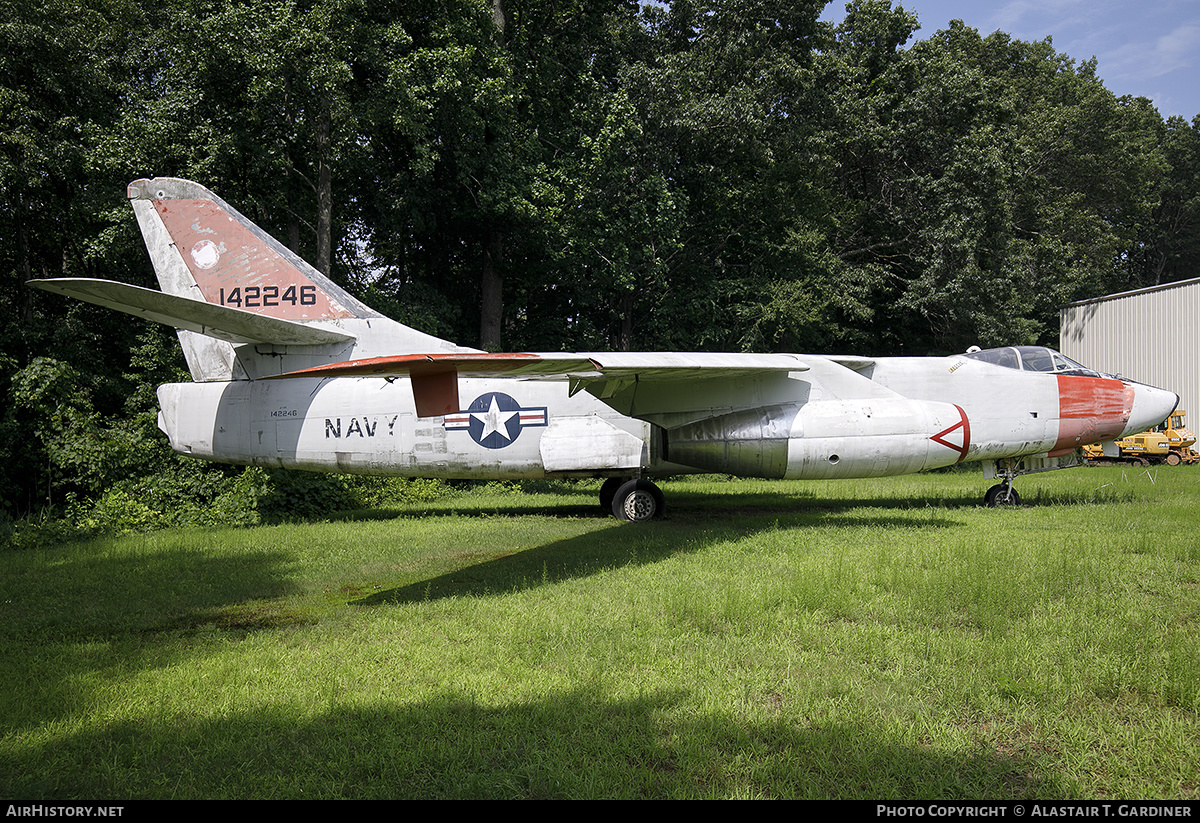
(862, 639)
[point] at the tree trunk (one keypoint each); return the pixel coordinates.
(491, 287)
(324, 191)
(24, 266)
(499, 20)
(623, 339)
(491, 304)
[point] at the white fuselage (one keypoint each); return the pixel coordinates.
(891, 416)
(363, 425)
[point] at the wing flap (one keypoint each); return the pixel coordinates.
(222, 322)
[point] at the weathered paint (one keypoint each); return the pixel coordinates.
(382, 398)
(956, 437)
(368, 425)
(1091, 410)
(233, 267)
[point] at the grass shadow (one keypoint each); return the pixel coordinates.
(467, 507)
(837, 500)
(625, 545)
(75, 616)
(579, 744)
(706, 500)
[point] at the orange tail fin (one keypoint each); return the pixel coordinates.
(205, 249)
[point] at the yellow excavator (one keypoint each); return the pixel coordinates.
(1170, 443)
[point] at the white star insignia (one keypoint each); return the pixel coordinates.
(494, 420)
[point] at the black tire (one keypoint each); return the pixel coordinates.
(609, 490)
(1002, 494)
(638, 501)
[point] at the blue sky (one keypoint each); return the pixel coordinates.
(1149, 48)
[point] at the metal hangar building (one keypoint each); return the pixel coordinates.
(1150, 335)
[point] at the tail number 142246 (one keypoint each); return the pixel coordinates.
(253, 297)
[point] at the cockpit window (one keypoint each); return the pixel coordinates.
(1006, 357)
(1033, 358)
(1066, 365)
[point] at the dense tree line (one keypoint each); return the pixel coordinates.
(561, 174)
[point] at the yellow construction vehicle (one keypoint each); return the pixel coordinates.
(1180, 438)
(1170, 443)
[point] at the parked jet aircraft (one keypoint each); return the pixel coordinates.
(289, 370)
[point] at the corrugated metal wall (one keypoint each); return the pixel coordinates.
(1150, 335)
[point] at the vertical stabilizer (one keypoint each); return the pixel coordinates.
(204, 249)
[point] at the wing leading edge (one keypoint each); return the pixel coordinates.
(607, 376)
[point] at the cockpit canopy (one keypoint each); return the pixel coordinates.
(1034, 358)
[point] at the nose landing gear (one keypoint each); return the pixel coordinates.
(1002, 494)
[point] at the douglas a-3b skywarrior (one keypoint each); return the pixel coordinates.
(292, 371)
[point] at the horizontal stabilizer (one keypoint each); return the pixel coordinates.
(222, 322)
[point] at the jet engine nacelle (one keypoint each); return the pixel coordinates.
(822, 439)
(752, 442)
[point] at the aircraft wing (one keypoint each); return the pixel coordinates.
(851, 361)
(613, 377)
(222, 322)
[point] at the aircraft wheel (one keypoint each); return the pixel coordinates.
(1002, 494)
(609, 490)
(637, 501)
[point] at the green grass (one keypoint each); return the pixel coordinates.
(866, 639)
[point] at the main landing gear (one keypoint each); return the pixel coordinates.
(633, 500)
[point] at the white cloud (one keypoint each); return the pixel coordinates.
(1177, 50)
(1155, 57)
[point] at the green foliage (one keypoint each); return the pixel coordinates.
(48, 404)
(372, 492)
(1172, 246)
(186, 493)
(973, 187)
(539, 175)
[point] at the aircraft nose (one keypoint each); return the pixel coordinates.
(1151, 406)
